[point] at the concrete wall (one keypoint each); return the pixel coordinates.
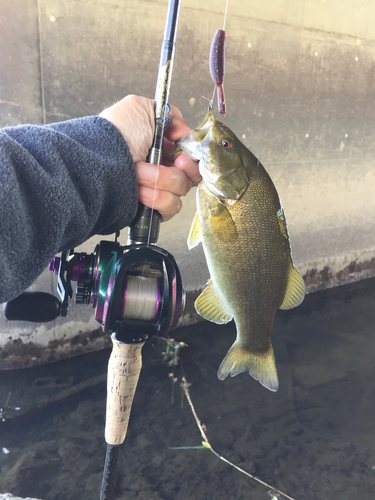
(300, 92)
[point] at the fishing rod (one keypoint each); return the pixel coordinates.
(136, 290)
(125, 362)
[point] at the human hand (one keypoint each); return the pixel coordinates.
(160, 186)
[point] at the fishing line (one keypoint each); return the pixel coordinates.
(153, 205)
(137, 305)
(155, 186)
(142, 292)
(143, 286)
(225, 15)
(211, 103)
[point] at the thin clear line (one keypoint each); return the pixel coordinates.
(41, 66)
(225, 15)
(156, 182)
(211, 103)
(153, 206)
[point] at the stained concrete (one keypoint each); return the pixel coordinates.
(300, 93)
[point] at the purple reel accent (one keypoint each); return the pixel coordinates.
(54, 265)
(79, 268)
(102, 309)
(178, 302)
(157, 303)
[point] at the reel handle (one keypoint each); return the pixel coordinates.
(38, 307)
(124, 367)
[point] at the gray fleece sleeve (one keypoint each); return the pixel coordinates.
(59, 185)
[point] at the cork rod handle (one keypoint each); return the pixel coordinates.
(124, 367)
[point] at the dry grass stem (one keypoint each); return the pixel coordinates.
(185, 387)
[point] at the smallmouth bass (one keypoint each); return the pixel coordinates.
(242, 226)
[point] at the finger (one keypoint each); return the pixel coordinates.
(165, 202)
(179, 127)
(168, 152)
(180, 160)
(189, 166)
(169, 147)
(164, 178)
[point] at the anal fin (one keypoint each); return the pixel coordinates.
(210, 306)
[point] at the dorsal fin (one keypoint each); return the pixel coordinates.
(295, 287)
(282, 223)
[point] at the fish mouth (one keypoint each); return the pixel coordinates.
(197, 145)
(190, 146)
(199, 150)
(196, 142)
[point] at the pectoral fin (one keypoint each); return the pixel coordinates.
(295, 289)
(210, 306)
(195, 236)
(222, 224)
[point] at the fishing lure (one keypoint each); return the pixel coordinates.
(217, 67)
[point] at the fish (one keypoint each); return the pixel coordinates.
(242, 227)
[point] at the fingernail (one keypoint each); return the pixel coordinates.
(179, 206)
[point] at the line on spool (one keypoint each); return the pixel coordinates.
(141, 298)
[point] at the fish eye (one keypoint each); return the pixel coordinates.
(226, 144)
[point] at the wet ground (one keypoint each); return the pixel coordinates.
(314, 439)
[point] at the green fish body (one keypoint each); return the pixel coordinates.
(242, 227)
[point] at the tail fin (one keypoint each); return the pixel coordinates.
(261, 367)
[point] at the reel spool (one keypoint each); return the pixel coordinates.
(141, 292)
(141, 298)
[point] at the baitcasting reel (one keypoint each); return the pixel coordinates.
(136, 290)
